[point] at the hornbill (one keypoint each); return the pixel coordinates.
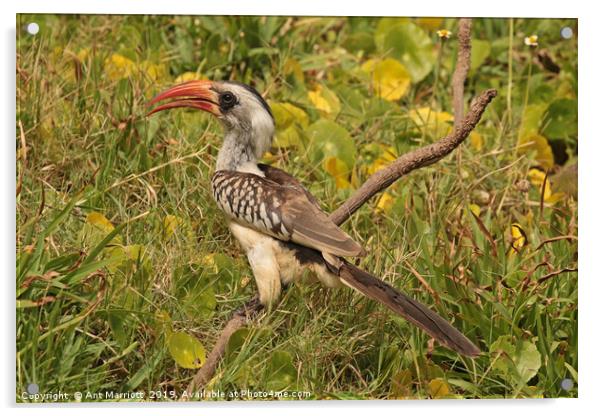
(277, 222)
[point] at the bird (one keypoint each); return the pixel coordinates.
(278, 223)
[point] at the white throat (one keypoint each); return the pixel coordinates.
(245, 143)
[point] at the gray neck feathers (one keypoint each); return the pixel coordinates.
(245, 143)
(235, 151)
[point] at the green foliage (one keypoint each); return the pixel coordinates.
(126, 271)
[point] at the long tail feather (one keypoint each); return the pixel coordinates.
(410, 309)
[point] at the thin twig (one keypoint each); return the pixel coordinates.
(558, 238)
(555, 273)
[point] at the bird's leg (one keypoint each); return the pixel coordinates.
(266, 273)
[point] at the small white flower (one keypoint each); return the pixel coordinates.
(444, 33)
(531, 40)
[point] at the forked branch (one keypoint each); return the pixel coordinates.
(380, 180)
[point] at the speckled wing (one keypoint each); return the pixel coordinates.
(280, 208)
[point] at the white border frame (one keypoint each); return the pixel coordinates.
(590, 37)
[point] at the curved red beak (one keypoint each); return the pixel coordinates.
(192, 94)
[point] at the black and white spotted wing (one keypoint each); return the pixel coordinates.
(284, 210)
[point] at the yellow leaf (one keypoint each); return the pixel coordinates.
(390, 78)
(100, 222)
(288, 137)
(209, 262)
(153, 71)
(438, 388)
(286, 114)
(519, 236)
(292, 67)
(537, 178)
(325, 101)
(188, 76)
(186, 350)
(430, 23)
(338, 169)
(83, 54)
(476, 210)
(384, 156)
(118, 67)
(476, 140)
(170, 223)
(385, 203)
(401, 385)
(437, 124)
(539, 144)
(134, 252)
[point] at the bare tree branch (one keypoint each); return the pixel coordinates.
(238, 320)
(462, 68)
(380, 180)
(415, 159)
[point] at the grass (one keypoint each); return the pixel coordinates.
(98, 295)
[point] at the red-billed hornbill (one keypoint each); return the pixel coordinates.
(278, 223)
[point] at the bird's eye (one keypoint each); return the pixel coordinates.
(227, 100)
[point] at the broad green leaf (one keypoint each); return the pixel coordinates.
(518, 360)
(118, 322)
(236, 341)
(389, 77)
(531, 119)
(282, 374)
(560, 120)
(200, 302)
(360, 42)
(385, 24)
(326, 139)
(528, 360)
(409, 44)
(221, 268)
(480, 51)
(186, 350)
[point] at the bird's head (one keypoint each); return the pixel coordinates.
(244, 113)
